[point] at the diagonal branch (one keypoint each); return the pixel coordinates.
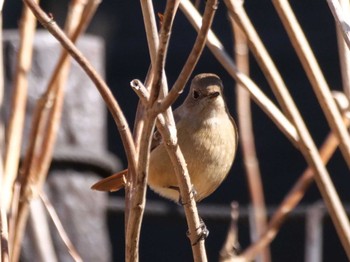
(315, 75)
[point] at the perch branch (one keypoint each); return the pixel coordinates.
(180, 167)
(138, 191)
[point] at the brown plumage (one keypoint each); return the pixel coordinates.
(207, 136)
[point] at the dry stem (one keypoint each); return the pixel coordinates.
(102, 87)
(60, 229)
(138, 197)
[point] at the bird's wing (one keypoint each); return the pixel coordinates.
(112, 183)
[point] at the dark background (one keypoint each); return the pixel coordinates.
(120, 24)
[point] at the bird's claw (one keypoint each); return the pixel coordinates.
(203, 233)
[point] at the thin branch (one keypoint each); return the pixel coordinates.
(46, 121)
(102, 87)
(18, 105)
(60, 228)
(315, 76)
(138, 190)
(341, 20)
(176, 90)
(245, 125)
(164, 36)
(168, 133)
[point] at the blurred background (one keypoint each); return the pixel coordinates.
(163, 237)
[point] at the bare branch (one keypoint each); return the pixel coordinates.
(315, 76)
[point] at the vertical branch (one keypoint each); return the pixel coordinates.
(18, 105)
(251, 162)
(315, 75)
(206, 22)
(138, 197)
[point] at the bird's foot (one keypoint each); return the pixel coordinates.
(203, 233)
(192, 194)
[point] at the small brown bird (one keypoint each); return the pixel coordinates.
(207, 136)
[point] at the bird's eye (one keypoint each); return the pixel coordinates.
(195, 94)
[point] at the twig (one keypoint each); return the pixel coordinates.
(251, 162)
(102, 87)
(170, 141)
(315, 76)
(341, 20)
(138, 197)
(60, 229)
(259, 97)
(39, 232)
(18, 105)
(165, 32)
(208, 16)
(45, 123)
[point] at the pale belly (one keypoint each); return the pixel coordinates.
(209, 153)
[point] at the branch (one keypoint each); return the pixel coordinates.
(295, 195)
(102, 87)
(315, 76)
(168, 133)
(18, 106)
(176, 90)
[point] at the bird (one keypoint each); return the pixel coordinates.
(207, 136)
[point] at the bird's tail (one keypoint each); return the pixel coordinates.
(112, 183)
